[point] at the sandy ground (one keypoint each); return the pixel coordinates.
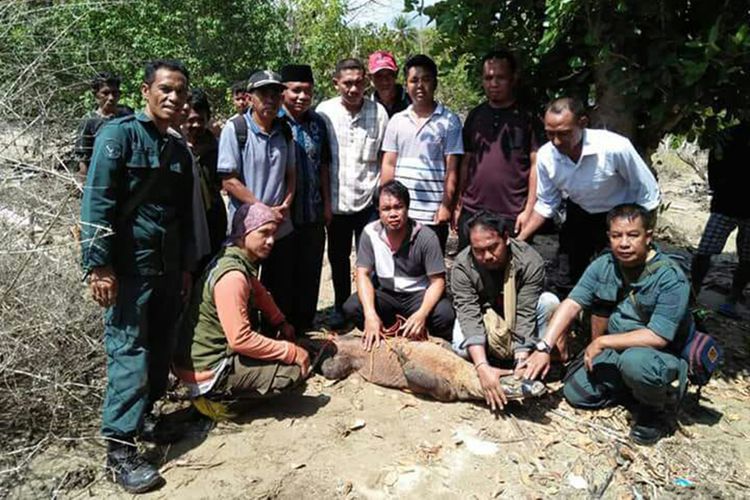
(354, 440)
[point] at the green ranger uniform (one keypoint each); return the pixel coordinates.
(656, 298)
(147, 247)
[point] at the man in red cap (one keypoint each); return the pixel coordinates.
(383, 70)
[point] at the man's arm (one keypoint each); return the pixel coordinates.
(548, 198)
(537, 364)
(620, 341)
(524, 216)
(388, 167)
(449, 189)
(366, 294)
(228, 164)
(533, 223)
(290, 177)
(416, 322)
(463, 179)
(99, 210)
(236, 189)
(642, 184)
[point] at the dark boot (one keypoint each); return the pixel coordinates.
(159, 431)
(650, 426)
(129, 469)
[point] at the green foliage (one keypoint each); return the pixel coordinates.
(659, 65)
(65, 44)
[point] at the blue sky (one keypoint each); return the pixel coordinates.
(383, 11)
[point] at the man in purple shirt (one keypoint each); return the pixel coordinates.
(497, 171)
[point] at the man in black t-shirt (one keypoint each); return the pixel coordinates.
(497, 172)
(106, 89)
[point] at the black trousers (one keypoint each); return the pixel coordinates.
(583, 235)
(277, 275)
(340, 232)
(308, 244)
(389, 304)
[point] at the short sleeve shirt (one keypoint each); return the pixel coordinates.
(406, 270)
(501, 141)
(657, 299)
(355, 141)
(265, 161)
(422, 148)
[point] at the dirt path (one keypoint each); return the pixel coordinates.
(355, 440)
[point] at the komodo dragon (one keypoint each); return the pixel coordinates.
(427, 368)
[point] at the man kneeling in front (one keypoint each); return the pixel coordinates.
(638, 299)
(400, 271)
(221, 355)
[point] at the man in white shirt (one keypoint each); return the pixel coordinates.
(596, 169)
(356, 127)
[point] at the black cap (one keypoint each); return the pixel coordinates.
(297, 73)
(264, 78)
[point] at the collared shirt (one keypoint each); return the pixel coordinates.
(155, 238)
(609, 172)
(265, 161)
(407, 269)
(422, 147)
(476, 289)
(312, 151)
(659, 300)
(355, 145)
(401, 103)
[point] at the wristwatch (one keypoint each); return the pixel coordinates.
(543, 346)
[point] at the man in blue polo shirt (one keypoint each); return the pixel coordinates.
(634, 354)
(400, 271)
(422, 148)
(257, 163)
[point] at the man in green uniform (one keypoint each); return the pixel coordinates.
(638, 298)
(136, 227)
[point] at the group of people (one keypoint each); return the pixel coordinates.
(221, 297)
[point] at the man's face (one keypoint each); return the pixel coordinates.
(421, 85)
(239, 101)
(489, 248)
(194, 124)
(498, 80)
(266, 101)
(179, 119)
(166, 95)
(259, 243)
(393, 212)
(350, 84)
(629, 240)
(106, 98)
(298, 97)
(384, 81)
(564, 131)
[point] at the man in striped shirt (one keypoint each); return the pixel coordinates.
(422, 149)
